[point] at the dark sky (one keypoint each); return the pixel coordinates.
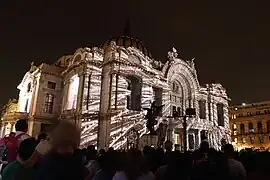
(229, 41)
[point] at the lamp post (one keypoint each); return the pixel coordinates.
(189, 113)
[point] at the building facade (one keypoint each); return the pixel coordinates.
(250, 125)
(105, 91)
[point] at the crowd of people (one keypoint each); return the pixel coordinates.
(57, 157)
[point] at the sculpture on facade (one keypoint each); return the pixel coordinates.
(172, 54)
(33, 67)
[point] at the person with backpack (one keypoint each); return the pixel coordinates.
(10, 144)
(21, 128)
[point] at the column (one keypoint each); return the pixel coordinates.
(170, 130)
(80, 100)
(197, 139)
(65, 95)
(88, 87)
(104, 121)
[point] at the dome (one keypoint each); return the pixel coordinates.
(126, 42)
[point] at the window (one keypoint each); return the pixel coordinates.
(249, 114)
(243, 140)
(72, 93)
(250, 127)
(220, 114)
(29, 87)
(134, 100)
(252, 139)
(179, 112)
(234, 133)
(175, 113)
(158, 100)
(261, 139)
(268, 126)
(51, 85)
(235, 140)
(259, 127)
(266, 111)
(234, 126)
(191, 141)
(258, 112)
(242, 128)
(175, 87)
(48, 103)
(202, 109)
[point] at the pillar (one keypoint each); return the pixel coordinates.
(104, 121)
(65, 95)
(197, 139)
(80, 98)
(170, 129)
(34, 127)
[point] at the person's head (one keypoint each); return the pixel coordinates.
(134, 159)
(65, 138)
(228, 150)
(12, 134)
(26, 148)
(42, 136)
(102, 152)
(168, 145)
(21, 125)
(204, 146)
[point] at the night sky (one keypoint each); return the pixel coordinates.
(229, 41)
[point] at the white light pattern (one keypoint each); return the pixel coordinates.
(72, 92)
(123, 120)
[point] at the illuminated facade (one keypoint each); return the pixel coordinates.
(105, 92)
(250, 125)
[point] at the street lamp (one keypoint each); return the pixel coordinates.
(189, 113)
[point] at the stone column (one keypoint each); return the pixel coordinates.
(65, 95)
(80, 99)
(170, 129)
(197, 139)
(104, 121)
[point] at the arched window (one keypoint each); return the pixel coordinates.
(250, 127)
(259, 127)
(268, 126)
(242, 128)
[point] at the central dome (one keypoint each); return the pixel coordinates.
(126, 41)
